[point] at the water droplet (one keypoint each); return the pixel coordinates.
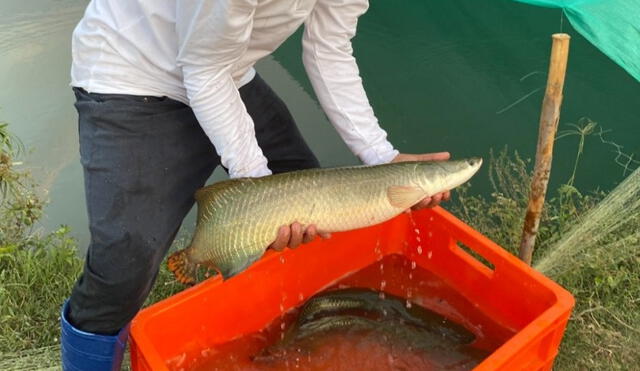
(418, 239)
(419, 250)
(429, 254)
(282, 259)
(410, 276)
(417, 231)
(430, 218)
(383, 284)
(381, 295)
(413, 222)
(281, 307)
(282, 326)
(384, 312)
(408, 304)
(413, 265)
(300, 297)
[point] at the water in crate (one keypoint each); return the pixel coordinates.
(352, 326)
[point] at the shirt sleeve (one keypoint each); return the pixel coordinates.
(328, 59)
(212, 36)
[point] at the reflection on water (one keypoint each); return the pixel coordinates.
(460, 75)
(19, 31)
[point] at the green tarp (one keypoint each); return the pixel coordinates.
(613, 26)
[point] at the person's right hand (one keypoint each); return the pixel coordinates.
(294, 235)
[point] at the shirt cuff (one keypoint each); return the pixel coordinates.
(246, 78)
(379, 154)
(256, 172)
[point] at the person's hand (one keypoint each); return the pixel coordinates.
(294, 235)
(438, 156)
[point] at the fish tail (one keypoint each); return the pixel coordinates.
(182, 267)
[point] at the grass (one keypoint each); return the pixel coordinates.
(34, 280)
(588, 243)
(37, 270)
(501, 215)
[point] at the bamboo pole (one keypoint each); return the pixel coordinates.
(549, 118)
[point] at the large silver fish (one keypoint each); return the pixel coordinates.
(239, 218)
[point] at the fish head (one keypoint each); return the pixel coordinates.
(439, 176)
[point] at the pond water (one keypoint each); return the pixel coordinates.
(464, 76)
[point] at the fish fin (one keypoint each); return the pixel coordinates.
(182, 267)
(403, 197)
(216, 190)
(230, 269)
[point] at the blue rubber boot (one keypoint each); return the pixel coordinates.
(84, 351)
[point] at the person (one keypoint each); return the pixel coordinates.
(165, 92)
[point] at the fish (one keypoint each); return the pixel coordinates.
(239, 218)
(362, 315)
(361, 308)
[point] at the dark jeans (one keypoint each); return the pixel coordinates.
(143, 159)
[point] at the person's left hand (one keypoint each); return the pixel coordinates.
(438, 156)
(296, 234)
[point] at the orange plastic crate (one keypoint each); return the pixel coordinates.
(526, 311)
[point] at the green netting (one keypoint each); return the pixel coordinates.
(613, 26)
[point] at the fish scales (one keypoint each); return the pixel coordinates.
(239, 218)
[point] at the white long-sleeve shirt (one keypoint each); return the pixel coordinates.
(201, 51)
